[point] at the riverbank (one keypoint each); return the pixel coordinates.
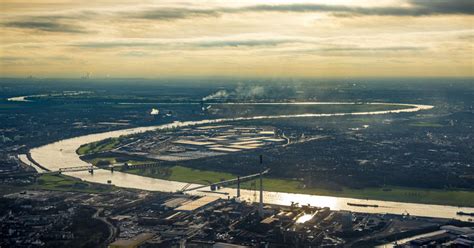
(399, 194)
(57, 182)
(67, 183)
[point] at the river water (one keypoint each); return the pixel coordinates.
(62, 154)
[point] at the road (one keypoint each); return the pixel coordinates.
(112, 228)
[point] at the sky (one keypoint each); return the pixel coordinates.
(267, 38)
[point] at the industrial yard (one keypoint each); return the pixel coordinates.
(192, 143)
(126, 218)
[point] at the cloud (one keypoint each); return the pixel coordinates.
(312, 45)
(167, 14)
(467, 37)
(114, 44)
(45, 25)
(445, 7)
(62, 23)
(368, 49)
(56, 23)
(135, 54)
(332, 50)
(246, 43)
(416, 8)
(181, 43)
(13, 60)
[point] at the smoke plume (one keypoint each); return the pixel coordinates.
(154, 111)
(221, 94)
(252, 92)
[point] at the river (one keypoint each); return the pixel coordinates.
(63, 154)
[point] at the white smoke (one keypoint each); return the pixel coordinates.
(241, 92)
(154, 111)
(217, 95)
(249, 92)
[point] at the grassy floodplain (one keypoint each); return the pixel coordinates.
(67, 183)
(99, 146)
(401, 194)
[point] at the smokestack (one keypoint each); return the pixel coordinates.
(260, 205)
(238, 186)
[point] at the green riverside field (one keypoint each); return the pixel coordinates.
(414, 195)
(67, 183)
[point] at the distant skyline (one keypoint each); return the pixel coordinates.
(144, 38)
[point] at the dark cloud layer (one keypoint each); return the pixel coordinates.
(45, 25)
(203, 44)
(245, 43)
(100, 45)
(58, 23)
(171, 45)
(417, 8)
(374, 49)
(66, 23)
(173, 13)
(445, 6)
